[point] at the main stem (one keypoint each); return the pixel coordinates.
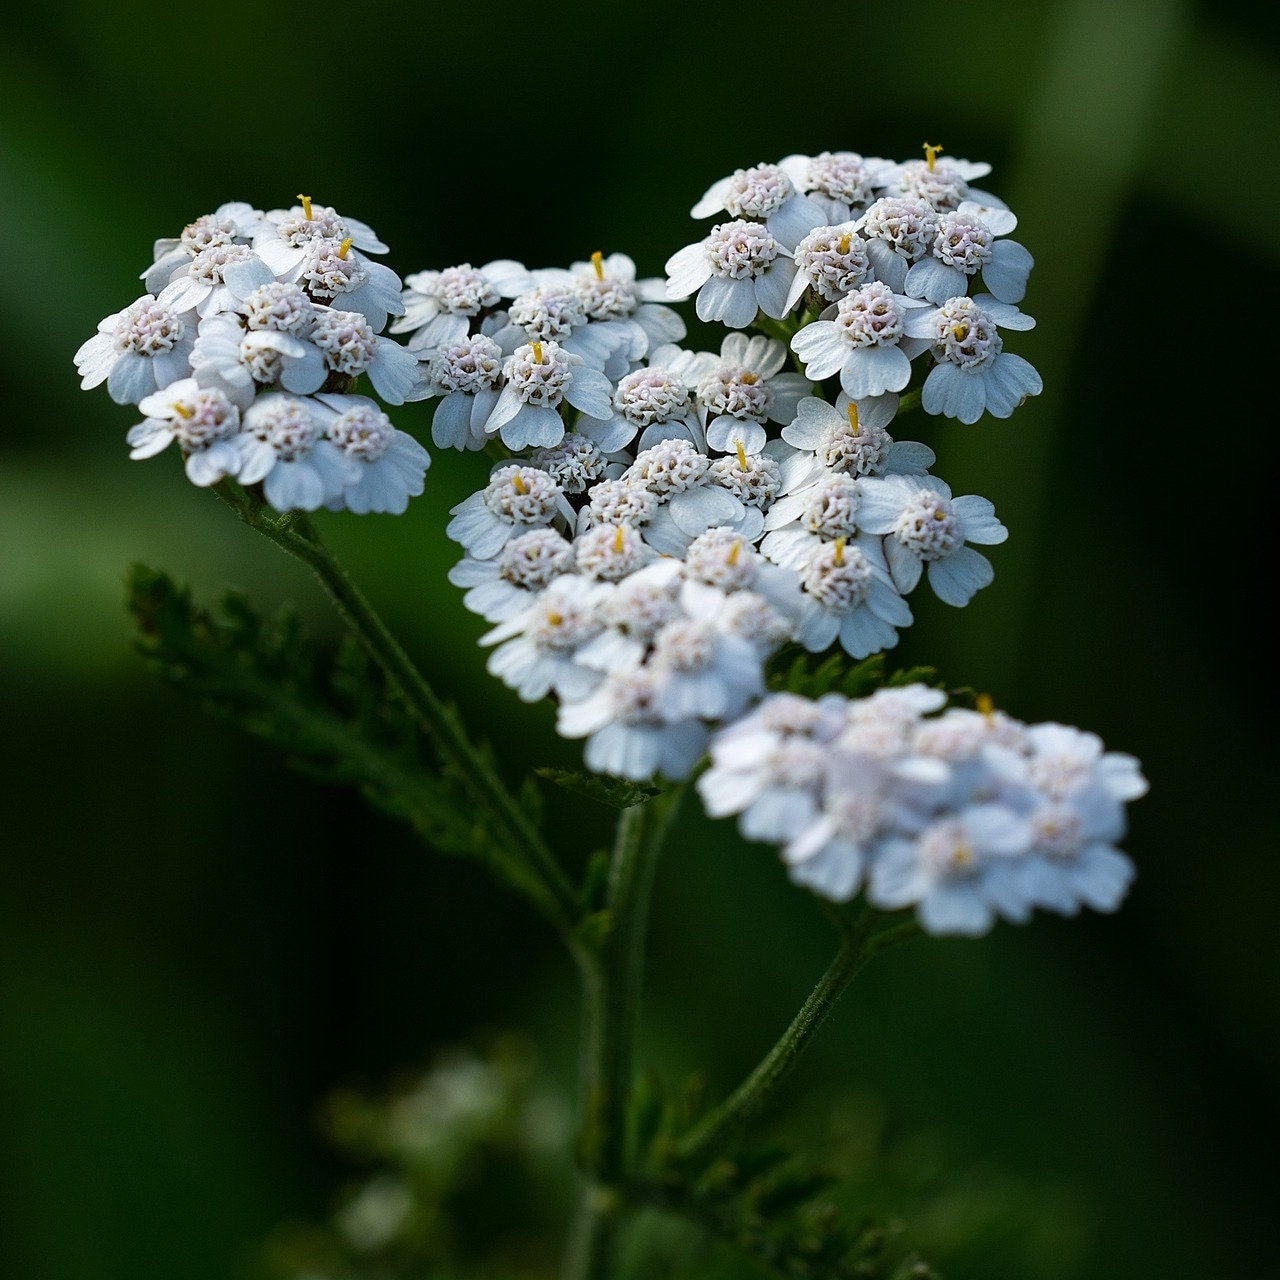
(858, 946)
(547, 885)
(612, 981)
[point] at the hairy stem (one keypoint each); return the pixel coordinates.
(546, 885)
(612, 982)
(858, 946)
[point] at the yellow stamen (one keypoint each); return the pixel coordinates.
(742, 455)
(842, 245)
(184, 411)
(517, 484)
(750, 379)
(986, 705)
(959, 332)
(618, 539)
(597, 261)
(306, 206)
(838, 558)
(961, 857)
(344, 248)
(931, 153)
(555, 619)
(537, 352)
(939, 514)
(736, 550)
(852, 411)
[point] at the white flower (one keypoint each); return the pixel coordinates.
(515, 500)
(923, 526)
(286, 235)
(501, 587)
(240, 360)
(440, 306)
(744, 389)
(850, 596)
(393, 465)
(608, 553)
(974, 373)
(204, 422)
(347, 342)
(536, 649)
(736, 270)
(334, 273)
(284, 446)
(840, 182)
(611, 294)
(965, 245)
(850, 438)
(634, 612)
(867, 341)
(677, 475)
(941, 180)
(137, 351)
(466, 374)
(629, 733)
(655, 399)
(576, 463)
(898, 232)
(540, 376)
(216, 279)
(959, 872)
(231, 223)
(554, 312)
(830, 262)
(764, 193)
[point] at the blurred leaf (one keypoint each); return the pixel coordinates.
(616, 793)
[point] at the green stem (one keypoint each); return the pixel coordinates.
(547, 884)
(857, 948)
(612, 982)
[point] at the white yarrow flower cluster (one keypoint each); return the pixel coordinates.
(964, 816)
(247, 351)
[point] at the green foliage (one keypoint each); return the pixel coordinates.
(614, 793)
(328, 711)
(794, 670)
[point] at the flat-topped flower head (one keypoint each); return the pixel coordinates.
(440, 307)
(137, 351)
(974, 374)
(964, 246)
(619, 501)
(393, 465)
(678, 475)
(540, 376)
(286, 235)
(204, 422)
(737, 270)
(763, 193)
(899, 230)
(285, 447)
(755, 479)
(840, 182)
(216, 279)
(830, 262)
(466, 375)
(866, 341)
(349, 347)
(516, 499)
(818, 512)
(926, 529)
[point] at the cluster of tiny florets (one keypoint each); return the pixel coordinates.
(247, 349)
(661, 522)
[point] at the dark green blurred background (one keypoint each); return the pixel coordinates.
(197, 945)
